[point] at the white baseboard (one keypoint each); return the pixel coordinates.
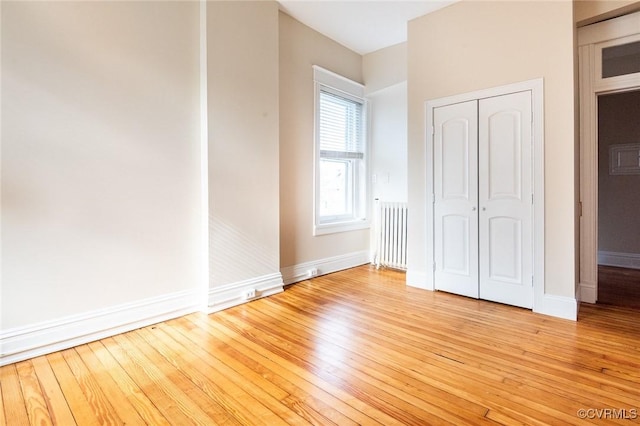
(22, 343)
(300, 272)
(622, 260)
(557, 306)
(588, 293)
(418, 279)
(229, 295)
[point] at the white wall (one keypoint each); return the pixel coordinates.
(243, 117)
(300, 48)
(100, 156)
(388, 143)
(470, 46)
(385, 77)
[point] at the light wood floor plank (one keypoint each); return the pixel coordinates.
(187, 408)
(81, 408)
(464, 359)
(104, 385)
(57, 405)
(339, 354)
(144, 406)
(355, 347)
(256, 384)
(315, 385)
(289, 392)
(229, 397)
(101, 406)
(33, 395)
(13, 403)
(3, 419)
(419, 381)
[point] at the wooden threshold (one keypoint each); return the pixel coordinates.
(355, 347)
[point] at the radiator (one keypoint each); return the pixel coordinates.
(391, 235)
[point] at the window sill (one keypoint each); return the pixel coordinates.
(335, 227)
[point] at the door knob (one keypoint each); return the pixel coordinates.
(473, 209)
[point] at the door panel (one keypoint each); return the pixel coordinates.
(456, 247)
(456, 198)
(505, 250)
(505, 199)
(455, 159)
(505, 155)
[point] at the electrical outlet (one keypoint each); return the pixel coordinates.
(250, 293)
(312, 272)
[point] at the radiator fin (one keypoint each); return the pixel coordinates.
(391, 235)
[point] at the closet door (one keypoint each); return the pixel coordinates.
(455, 171)
(505, 199)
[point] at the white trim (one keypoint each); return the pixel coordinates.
(335, 227)
(536, 87)
(229, 295)
(301, 271)
(557, 306)
(331, 79)
(419, 279)
(621, 260)
(22, 343)
(588, 293)
(603, 31)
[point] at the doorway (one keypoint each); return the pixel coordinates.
(619, 198)
(609, 57)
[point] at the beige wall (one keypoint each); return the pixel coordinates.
(589, 11)
(300, 48)
(476, 45)
(618, 195)
(385, 67)
(242, 79)
(100, 155)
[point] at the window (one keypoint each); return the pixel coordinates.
(621, 59)
(340, 154)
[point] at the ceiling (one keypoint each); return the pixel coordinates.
(363, 26)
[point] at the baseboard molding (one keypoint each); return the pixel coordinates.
(588, 293)
(229, 295)
(621, 260)
(300, 272)
(557, 306)
(419, 279)
(22, 343)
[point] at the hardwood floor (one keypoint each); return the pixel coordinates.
(618, 286)
(356, 347)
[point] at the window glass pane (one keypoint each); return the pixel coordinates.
(335, 188)
(621, 60)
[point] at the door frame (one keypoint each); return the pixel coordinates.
(591, 39)
(536, 87)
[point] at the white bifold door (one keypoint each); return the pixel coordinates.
(483, 199)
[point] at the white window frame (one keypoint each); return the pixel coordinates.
(329, 82)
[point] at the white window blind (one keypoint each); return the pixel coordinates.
(340, 122)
